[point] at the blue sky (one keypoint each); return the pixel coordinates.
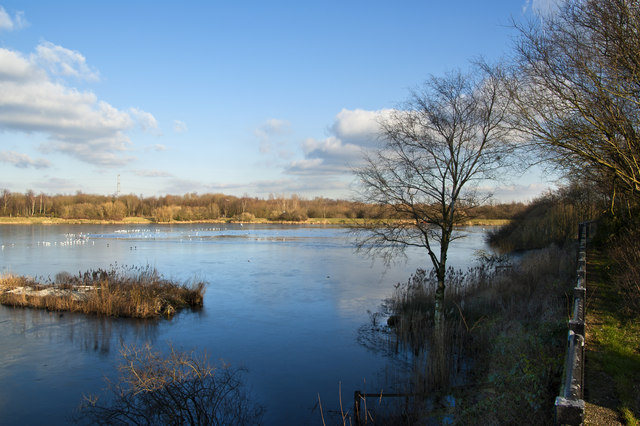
(252, 98)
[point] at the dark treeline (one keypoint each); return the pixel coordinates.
(195, 207)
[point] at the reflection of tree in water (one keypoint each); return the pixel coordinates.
(377, 337)
(90, 332)
(96, 334)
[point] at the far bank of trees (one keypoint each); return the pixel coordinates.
(201, 207)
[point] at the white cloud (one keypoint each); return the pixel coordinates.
(146, 120)
(22, 160)
(359, 127)
(305, 185)
(272, 127)
(542, 8)
(328, 156)
(179, 126)
(152, 173)
(351, 132)
(517, 192)
(60, 61)
(8, 24)
(77, 123)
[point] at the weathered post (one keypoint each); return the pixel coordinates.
(356, 407)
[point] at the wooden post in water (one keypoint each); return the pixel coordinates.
(356, 407)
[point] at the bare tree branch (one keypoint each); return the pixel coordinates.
(448, 136)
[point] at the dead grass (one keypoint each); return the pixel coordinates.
(503, 337)
(120, 292)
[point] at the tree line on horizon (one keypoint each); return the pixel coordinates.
(194, 207)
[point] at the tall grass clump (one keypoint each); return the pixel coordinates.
(138, 292)
(501, 348)
(174, 389)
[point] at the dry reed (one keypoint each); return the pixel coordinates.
(137, 292)
(502, 339)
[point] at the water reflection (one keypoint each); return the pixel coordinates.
(85, 332)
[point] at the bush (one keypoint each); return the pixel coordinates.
(177, 389)
(297, 215)
(245, 217)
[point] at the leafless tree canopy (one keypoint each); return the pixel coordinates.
(578, 91)
(447, 137)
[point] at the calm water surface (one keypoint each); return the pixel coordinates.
(285, 302)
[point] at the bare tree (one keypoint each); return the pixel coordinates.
(6, 195)
(447, 138)
(578, 90)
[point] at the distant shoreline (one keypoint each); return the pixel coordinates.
(5, 220)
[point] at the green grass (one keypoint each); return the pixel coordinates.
(613, 338)
(618, 355)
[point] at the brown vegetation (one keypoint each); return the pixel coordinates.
(503, 338)
(175, 389)
(550, 219)
(205, 207)
(137, 293)
(625, 254)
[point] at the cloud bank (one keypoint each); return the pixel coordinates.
(351, 132)
(76, 122)
(22, 161)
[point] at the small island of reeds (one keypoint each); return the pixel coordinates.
(136, 292)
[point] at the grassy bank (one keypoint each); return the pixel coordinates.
(136, 293)
(612, 389)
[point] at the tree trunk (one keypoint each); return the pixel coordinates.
(438, 313)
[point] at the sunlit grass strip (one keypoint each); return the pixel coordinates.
(135, 293)
(614, 333)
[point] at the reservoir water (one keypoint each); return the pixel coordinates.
(285, 302)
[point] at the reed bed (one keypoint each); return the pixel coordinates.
(136, 292)
(500, 349)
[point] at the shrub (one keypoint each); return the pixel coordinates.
(177, 389)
